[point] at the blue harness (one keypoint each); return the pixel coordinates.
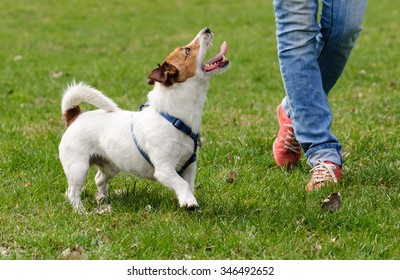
(177, 123)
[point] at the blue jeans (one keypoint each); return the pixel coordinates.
(312, 57)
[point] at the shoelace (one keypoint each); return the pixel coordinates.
(290, 142)
(324, 172)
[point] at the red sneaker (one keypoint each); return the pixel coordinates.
(286, 150)
(324, 174)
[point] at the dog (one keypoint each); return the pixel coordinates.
(159, 142)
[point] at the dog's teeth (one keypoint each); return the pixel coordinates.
(210, 44)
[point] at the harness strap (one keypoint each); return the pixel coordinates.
(186, 165)
(143, 153)
(181, 126)
(178, 124)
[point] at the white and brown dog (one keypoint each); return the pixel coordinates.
(159, 142)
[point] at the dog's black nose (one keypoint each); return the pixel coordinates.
(207, 30)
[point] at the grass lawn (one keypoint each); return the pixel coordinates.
(264, 213)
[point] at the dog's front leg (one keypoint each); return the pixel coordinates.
(167, 176)
(190, 175)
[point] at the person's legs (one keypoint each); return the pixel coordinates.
(312, 58)
(306, 102)
(340, 27)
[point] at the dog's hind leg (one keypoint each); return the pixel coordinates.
(169, 178)
(105, 172)
(76, 174)
(102, 177)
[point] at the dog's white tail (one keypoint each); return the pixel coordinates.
(81, 92)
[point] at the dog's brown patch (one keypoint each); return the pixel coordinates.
(71, 114)
(179, 66)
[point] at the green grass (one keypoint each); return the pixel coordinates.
(266, 213)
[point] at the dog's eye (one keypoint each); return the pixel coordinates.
(187, 51)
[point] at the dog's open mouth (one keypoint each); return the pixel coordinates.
(219, 61)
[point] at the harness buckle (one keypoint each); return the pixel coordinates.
(178, 123)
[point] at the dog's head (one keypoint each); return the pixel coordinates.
(187, 61)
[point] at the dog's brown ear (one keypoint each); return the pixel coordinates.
(165, 73)
(157, 75)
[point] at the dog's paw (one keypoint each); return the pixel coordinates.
(99, 197)
(78, 207)
(189, 203)
(81, 210)
(192, 208)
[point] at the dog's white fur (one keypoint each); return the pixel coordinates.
(103, 137)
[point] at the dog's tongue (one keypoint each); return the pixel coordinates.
(223, 50)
